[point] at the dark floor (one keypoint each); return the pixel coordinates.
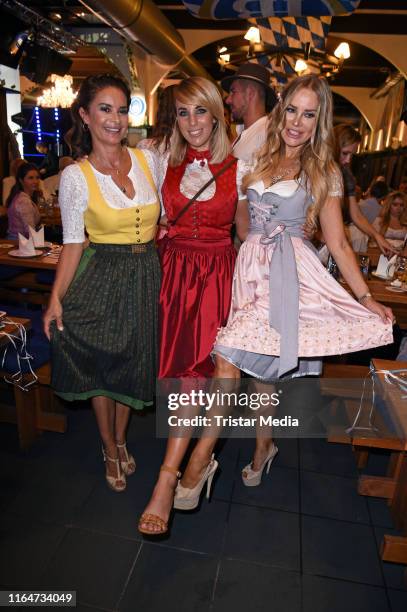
(303, 540)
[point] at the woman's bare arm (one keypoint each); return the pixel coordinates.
(242, 219)
(338, 245)
(363, 224)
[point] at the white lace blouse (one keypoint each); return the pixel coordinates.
(198, 173)
(73, 194)
(73, 190)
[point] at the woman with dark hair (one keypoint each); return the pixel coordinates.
(102, 314)
(347, 140)
(21, 203)
(164, 124)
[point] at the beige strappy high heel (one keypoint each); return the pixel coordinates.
(129, 465)
(188, 499)
(116, 483)
(251, 477)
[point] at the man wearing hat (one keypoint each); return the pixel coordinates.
(250, 98)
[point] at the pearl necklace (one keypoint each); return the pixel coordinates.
(112, 171)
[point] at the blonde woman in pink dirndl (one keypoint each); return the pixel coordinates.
(287, 311)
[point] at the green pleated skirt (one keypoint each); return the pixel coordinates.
(108, 345)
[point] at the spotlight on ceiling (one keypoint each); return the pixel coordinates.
(18, 41)
(55, 16)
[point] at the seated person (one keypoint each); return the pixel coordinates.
(21, 204)
(49, 164)
(51, 183)
(371, 208)
(392, 223)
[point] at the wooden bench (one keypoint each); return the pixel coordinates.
(393, 486)
(35, 410)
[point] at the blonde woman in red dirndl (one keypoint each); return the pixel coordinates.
(197, 267)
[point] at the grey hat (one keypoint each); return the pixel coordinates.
(253, 72)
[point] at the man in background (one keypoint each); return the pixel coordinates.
(250, 98)
(49, 164)
(371, 208)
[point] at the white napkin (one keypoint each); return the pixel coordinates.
(392, 266)
(37, 237)
(384, 266)
(25, 246)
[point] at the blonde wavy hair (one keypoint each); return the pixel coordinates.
(316, 157)
(344, 136)
(201, 92)
(385, 215)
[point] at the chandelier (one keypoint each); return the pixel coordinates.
(287, 56)
(60, 94)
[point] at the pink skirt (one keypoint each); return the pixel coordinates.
(331, 321)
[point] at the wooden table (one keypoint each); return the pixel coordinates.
(45, 262)
(396, 301)
(10, 328)
(373, 252)
(393, 487)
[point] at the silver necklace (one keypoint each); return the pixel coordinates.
(277, 177)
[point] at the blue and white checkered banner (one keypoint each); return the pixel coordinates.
(244, 9)
(282, 68)
(294, 32)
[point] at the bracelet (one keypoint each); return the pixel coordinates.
(363, 297)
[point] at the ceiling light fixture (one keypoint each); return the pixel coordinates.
(253, 35)
(17, 42)
(300, 66)
(60, 94)
(55, 16)
(342, 51)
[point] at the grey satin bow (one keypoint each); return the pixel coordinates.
(284, 290)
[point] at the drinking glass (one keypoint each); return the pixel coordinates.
(400, 270)
(333, 268)
(364, 263)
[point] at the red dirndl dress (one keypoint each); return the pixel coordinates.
(197, 272)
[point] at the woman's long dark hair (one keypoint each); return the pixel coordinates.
(78, 137)
(165, 118)
(23, 170)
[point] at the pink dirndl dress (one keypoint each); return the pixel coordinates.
(287, 311)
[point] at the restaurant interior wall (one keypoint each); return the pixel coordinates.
(4, 139)
(11, 78)
(392, 164)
